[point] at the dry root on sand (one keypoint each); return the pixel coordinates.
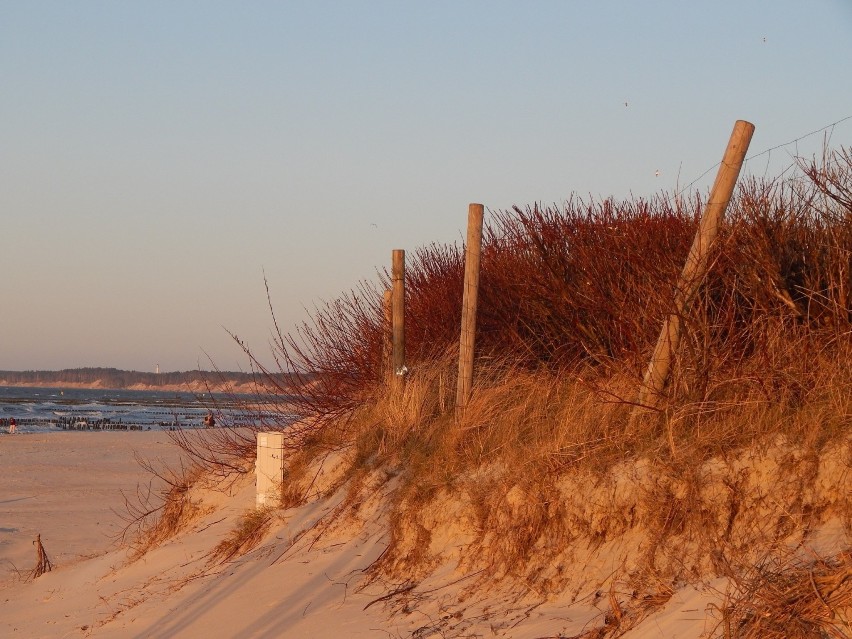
(43, 564)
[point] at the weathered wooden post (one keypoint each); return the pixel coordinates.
(398, 314)
(695, 268)
(387, 332)
(469, 301)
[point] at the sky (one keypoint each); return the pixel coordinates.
(158, 159)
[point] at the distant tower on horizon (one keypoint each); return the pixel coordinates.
(158, 369)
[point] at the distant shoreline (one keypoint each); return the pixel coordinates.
(97, 385)
(186, 387)
(195, 381)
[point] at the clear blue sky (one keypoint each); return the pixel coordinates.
(157, 157)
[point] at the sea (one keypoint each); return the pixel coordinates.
(40, 410)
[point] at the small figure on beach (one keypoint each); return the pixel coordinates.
(209, 420)
(13, 426)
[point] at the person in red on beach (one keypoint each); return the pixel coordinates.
(13, 426)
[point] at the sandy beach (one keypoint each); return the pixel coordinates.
(68, 488)
(306, 577)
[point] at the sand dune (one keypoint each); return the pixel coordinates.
(308, 576)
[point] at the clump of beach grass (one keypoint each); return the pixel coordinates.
(248, 532)
(788, 599)
(155, 515)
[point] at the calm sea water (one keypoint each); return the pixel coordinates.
(55, 409)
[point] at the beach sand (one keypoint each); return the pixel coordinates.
(68, 487)
(302, 580)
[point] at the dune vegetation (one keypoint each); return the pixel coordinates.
(735, 474)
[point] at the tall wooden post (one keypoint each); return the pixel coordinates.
(398, 313)
(469, 301)
(695, 268)
(387, 332)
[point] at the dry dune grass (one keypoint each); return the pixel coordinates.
(543, 477)
(791, 600)
(248, 533)
(154, 516)
(547, 471)
(525, 434)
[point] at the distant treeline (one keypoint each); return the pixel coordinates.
(115, 378)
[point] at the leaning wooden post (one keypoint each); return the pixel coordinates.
(398, 314)
(695, 268)
(387, 332)
(469, 300)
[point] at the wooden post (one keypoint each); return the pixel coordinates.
(695, 268)
(469, 301)
(398, 313)
(387, 332)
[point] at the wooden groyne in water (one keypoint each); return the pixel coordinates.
(66, 423)
(172, 421)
